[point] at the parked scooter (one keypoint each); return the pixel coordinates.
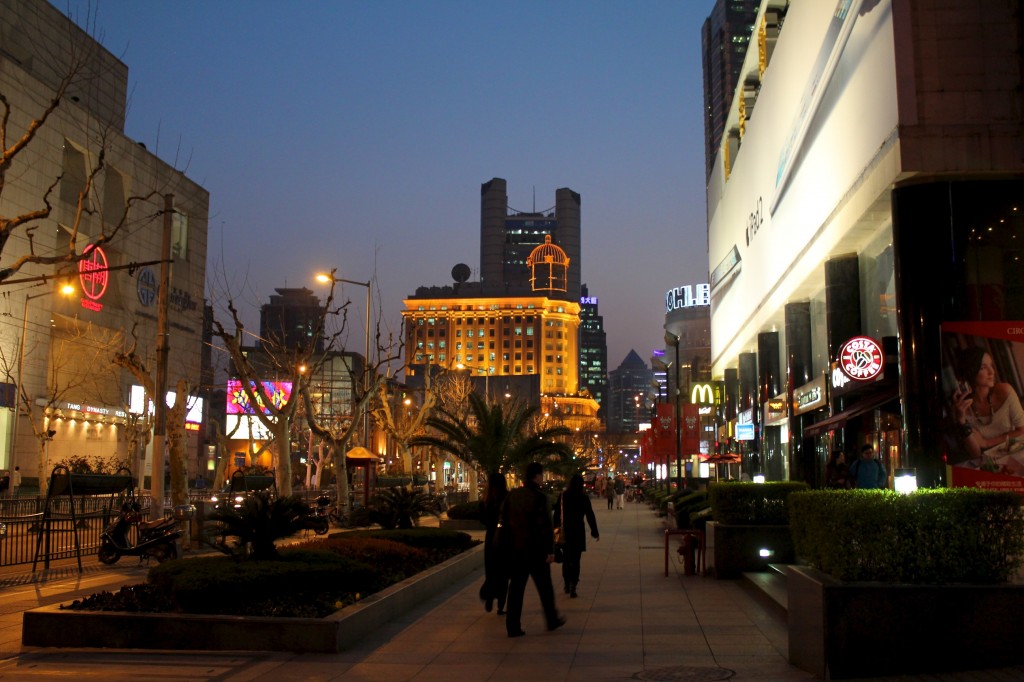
(154, 539)
(319, 519)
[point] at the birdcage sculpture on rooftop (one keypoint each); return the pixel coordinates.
(549, 267)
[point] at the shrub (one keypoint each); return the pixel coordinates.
(932, 536)
(394, 560)
(321, 580)
(400, 507)
(689, 505)
(466, 510)
(763, 504)
(261, 519)
(439, 543)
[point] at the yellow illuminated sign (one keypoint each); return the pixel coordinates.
(703, 394)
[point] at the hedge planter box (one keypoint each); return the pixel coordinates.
(735, 550)
(462, 524)
(52, 627)
(847, 630)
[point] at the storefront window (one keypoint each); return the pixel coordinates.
(878, 285)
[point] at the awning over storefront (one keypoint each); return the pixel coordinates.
(865, 405)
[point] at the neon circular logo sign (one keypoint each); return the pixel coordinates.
(861, 358)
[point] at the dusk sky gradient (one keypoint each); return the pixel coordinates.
(356, 135)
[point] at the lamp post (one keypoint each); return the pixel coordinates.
(67, 289)
(673, 340)
(324, 278)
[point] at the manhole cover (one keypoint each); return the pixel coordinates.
(685, 673)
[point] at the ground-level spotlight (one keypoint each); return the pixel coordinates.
(905, 481)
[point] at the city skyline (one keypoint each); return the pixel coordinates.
(356, 136)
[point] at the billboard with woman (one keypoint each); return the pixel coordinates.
(982, 385)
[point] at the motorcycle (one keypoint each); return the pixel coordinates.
(319, 519)
(154, 539)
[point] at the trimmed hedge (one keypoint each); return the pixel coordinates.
(752, 504)
(958, 535)
(466, 510)
(222, 585)
(688, 508)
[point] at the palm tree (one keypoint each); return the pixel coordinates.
(259, 521)
(498, 437)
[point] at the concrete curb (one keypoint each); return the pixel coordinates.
(49, 626)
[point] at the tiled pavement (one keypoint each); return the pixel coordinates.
(630, 622)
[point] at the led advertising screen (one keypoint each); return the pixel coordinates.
(279, 392)
(137, 397)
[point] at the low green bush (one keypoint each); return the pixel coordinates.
(745, 504)
(957, 535)
(394, 560)
(687, 507)
(466, 510)
(423, 538)
(321, 580)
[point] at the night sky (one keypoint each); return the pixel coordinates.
(356, 135)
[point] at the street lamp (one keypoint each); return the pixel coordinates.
(673, 340)
(66, 289)
(329, 278)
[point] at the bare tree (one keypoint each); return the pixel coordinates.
(22, 122)
(176, 441)
(407, 423)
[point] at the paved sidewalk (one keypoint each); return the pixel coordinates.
(630, 622)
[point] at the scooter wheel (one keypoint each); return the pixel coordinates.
(321, 528)
(108, 554)
(164, 552)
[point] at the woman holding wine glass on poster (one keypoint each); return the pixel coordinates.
(989, 415)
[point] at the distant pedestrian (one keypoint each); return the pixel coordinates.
(15, 481)
(609, 493)
(495, 587)
(572, 508)
(837, 474)
(528, 540)
(868, 472)
(620, 491)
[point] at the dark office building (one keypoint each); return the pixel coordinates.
(291, 318)
(629, 390)
(724, 38)
(508, 236)
(593, 349)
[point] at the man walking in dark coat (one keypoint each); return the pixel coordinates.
(529, 542)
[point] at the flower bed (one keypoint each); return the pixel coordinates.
(52, 626)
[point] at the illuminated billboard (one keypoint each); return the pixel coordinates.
(137, 398)
(279, 393)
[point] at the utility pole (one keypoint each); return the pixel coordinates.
(162, 347)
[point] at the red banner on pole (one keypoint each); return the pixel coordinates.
(691, 429)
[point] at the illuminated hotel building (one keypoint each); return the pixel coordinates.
(865, 231)
(63, 346)
(526, 345)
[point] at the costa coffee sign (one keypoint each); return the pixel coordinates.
(860, 359)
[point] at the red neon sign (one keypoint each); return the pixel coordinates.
(94, 274)
(861, 358)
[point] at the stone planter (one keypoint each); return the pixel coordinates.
(52, 627)
(734, 550)
(462, 524)
(845, 630)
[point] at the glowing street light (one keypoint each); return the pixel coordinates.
(330, 278)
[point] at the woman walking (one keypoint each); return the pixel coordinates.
(573, 506)
(495, 585)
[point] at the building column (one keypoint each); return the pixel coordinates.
(803, 463)
(769, 382)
